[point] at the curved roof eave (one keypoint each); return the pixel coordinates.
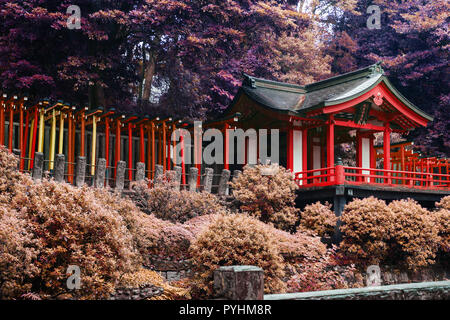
(386, 81)
(261, 103)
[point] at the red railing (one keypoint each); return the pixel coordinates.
(339, 175)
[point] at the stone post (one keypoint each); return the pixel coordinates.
(208, 179)
(100, 173)
(59, 167)
(159, 172)
(80, 171)
(38, 166)
(178, 173)
(193, 176)
(236, 174)
(120, 178)
(239, 283)
(223, 183)
(140, 171)
(171, 175)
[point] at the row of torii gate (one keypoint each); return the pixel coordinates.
(59, 128)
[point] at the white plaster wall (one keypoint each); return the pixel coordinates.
(366, 155)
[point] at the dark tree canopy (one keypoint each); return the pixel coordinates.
(171, 56)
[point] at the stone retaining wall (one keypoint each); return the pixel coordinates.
(142, 293)
(412, 291)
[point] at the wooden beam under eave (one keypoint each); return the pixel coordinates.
(351, 124)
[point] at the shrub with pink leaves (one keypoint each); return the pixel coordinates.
(414, 237)
(18, 254)
(402, 233)
(442, 218)
(319, 218)
(167, 202)
(325, 273)
(267, 192)
(366, 226)
(444, 203)
(235, 239)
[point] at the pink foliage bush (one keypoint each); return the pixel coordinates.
(444, 203)
(442, 221)
(235, 239)
(48, 226)
(366, 225)
(297, 248)
(319, 218)
(413, 236)
(75, 228)
(402, 233)
(18, 254)
(325, 273)
(270, 198)
(169, 203)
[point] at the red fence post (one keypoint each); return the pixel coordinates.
(340, 174)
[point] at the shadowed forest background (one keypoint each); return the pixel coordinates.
(186, 57)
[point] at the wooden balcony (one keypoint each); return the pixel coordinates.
(343, 175)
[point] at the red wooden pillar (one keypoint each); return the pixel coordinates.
(25, 140)
(387, 150)
(168, 149)
(198, 149)
(153, 149)
(290, 149)
(33, 143)
(21, 142)
(2, 124)
(447, 166)
(330, 142)
(174, 146)
(107, 141)
(141, 144)
(130, 151)
(159, 146)
(149, 153)
(11, 126)
(163, 147)
(226, 151)
(402, 155)
(2, 120)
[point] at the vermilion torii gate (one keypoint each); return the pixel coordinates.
(59, 128)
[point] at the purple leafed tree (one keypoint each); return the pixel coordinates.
(413, 44)
(156, 56)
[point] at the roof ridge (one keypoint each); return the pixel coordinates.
(252, 82)
(374, 69)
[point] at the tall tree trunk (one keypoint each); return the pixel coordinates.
(96, 96)
(148, 77)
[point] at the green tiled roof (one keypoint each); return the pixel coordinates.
(296, 99)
